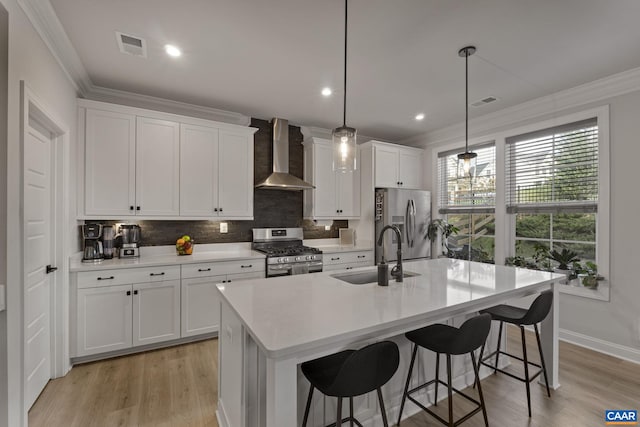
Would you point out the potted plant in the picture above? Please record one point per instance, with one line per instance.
(588, 274)
(444, 229)
(564, 258)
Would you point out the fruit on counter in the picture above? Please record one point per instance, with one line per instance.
(184, 245)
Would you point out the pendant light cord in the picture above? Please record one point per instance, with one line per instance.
(344, 103)
(466, 102)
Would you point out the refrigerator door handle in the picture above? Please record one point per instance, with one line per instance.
(410, 218)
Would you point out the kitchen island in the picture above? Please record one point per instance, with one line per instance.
(270, 326)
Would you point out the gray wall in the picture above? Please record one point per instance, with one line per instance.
(4, 76)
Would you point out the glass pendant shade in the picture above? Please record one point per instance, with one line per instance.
(344, 149)
(467, 163)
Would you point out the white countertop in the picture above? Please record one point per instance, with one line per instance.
(289, 314)
(167, 255)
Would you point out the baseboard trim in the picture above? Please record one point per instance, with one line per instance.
(601, 346)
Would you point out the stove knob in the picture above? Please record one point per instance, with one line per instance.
(280, 259)
(309, 257)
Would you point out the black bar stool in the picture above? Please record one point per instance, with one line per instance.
(352, 373)
(521, 317)
(450, 341)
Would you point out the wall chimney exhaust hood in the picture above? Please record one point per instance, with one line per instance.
(281, 179)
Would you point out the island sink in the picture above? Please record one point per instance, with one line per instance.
(364, 277)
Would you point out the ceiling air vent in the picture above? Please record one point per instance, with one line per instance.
(131, 45)
(484, 101)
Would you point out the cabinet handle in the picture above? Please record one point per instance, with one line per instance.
(204, 269)
(106, 278)
(137, 208)
(246, 266)
(135, 292)
(361, 256)
(215, 209)
(130, 208)
(401, 183)
(335, 259)
(349, 268)
(128, 293)
(156, 274)
(220, 209)
(229, 281)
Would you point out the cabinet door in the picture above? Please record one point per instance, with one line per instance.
(410, 169)
(157, 167)
(348, 193)
(156, 312)
(386, 167)
(103, 319)
(235, 166)
(200, 305)
(198, 170)
(109, 163)
(324, 178)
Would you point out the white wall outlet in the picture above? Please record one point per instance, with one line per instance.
(327, 228)
(224, 227)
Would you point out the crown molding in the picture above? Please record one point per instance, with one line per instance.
(131, 99)
(597, 90)
(48, 26)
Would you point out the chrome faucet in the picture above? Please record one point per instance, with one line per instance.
(397, 270)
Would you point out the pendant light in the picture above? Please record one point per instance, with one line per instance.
(344, 137)
(468, 156)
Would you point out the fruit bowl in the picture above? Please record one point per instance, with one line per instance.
(184, 245)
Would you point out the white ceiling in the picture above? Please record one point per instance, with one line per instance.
(271, 58)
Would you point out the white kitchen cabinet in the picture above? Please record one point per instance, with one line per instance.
(157, 167)
(156, 312)
(337, 194)
(123, 308)
(109, 163)
(396, 166)
(216, 173)
(200, 297)
(103, 318)
(344, 260)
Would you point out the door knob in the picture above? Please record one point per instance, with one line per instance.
(51, 269)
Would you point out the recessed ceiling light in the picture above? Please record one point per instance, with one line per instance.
(420, 116)
(326, 91)
(172, 50)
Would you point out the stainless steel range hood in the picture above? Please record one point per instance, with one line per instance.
(281, 179)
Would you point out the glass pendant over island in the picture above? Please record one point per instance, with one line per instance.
(466, 160)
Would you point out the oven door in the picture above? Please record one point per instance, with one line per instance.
(275, 270)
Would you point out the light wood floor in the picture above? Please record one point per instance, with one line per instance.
(178, 387)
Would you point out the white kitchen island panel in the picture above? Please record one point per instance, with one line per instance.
(292, 319)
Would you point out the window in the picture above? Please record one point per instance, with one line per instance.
(468, 202)
(552, 188)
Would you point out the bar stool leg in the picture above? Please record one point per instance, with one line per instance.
(437, 383)
(476, 370)
(306, 409)
(406, 387)
(382, 410)
(495, 370)
(544, 367)
(450, 390)
(526, 368)
(339, 411)
(351, 411)
(475, 381)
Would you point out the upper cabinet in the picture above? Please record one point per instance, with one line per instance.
(337, 194)
(396, 166)
(148, 164)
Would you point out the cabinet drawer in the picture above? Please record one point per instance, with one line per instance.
(127, 276)
(348, 258)
(206, 269)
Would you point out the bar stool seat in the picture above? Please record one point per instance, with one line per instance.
(521, 317)
(445, 339)
(352, 373)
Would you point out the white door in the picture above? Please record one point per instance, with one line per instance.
(157, 167)
(37, 255)
(324, 178)
(200, 305)
(410, 169)
(156, 312)
(198, 170)
(104, 319)
(235, 166)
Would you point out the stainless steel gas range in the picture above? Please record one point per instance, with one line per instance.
(286, 255)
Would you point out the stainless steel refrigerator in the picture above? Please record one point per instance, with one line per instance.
(410, 211)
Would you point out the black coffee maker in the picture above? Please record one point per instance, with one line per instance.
(91, 244)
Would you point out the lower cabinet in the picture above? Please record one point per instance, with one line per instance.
(156, 312)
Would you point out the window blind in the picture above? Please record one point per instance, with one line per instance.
(553, 170)
(474, 192)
